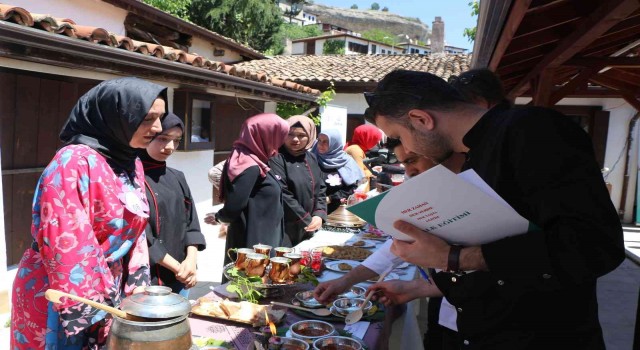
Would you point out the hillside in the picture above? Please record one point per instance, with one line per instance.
(363, 20)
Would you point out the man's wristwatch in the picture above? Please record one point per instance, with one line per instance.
(453, 260)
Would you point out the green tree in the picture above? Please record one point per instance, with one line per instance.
(385, 9)
(293, 32)
(288, 109)
(470, 33)
(380, 35)
(375, 6)
(333, 47)
(178, 8)
(354, 7)
(250, 22)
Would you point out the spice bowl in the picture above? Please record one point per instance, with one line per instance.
(336, 342)
(293, 344)
(345, 306)
(307, 300)
(310, 330)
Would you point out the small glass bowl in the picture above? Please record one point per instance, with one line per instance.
(345, 306)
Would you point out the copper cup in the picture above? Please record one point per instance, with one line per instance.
(281, 251)
(256, 264)
(241, 254)
(295, 266)
(262, 249)
(279, 272)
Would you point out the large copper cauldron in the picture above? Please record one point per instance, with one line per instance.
(163, 325)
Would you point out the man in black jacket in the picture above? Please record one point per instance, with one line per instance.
(529, 291)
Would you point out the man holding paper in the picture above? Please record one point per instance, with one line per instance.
(532, 289)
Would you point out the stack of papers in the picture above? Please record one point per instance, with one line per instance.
(461, 209)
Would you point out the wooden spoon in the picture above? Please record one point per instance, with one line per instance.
(54, 296)
(357, 315)
(319, 312)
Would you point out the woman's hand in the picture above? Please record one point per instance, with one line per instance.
(316, 223)
(210, 218)
(139, 289)
(187, 271)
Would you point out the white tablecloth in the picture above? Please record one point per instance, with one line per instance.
(405, 333)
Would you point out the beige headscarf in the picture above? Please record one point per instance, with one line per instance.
(307, 124)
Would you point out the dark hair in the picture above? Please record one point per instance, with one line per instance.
(403, 90)
(480, 82)
(392, 143)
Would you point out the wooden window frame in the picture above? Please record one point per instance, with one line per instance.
(183, 107)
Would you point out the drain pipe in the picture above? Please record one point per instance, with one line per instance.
(625, 181)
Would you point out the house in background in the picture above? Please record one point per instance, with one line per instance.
(52, 52)
(352, 45)
(353, 74)
(295, 13)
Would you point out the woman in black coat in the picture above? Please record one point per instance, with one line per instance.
(173, 231)
(303, 189)
(250, 191)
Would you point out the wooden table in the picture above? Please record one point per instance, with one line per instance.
(376, 337)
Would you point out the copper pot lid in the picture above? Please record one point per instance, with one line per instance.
(156, 302)
(341, 217)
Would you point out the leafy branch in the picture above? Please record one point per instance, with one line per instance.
(244, 286)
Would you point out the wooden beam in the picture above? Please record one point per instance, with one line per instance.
(615, 84)
(632, 100)
(578, 81)
(491, 19)
(592, 27)
(617, 62)
(543, 87)
(518, 10)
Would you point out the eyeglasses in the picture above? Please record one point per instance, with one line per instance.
(465, 80)
(370, 97)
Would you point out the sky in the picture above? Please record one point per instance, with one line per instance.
(456, 14)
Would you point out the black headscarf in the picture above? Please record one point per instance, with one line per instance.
(170, 121)
(107, 116)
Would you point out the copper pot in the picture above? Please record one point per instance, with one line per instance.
(166, 326)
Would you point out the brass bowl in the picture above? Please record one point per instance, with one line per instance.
(336, 342)
(310, 330)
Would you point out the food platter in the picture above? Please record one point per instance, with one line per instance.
(343, 266)
(265, 283)
(337, 252)
(362, 243)
(241, 312)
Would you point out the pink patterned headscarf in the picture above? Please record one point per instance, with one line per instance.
(260, 138)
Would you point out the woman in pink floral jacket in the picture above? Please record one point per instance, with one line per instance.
(89, 214)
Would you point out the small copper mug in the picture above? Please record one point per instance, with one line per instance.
(279, 269)
(281, 251)
(262, 249)
(241, 254)
(256, 264)
(295, 266)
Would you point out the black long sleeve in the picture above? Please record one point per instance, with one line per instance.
(237, 196)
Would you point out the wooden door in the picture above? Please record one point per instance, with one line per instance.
(34, 107)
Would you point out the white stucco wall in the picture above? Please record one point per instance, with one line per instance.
(297, 48)
(355, 103)
(84, 12)
(205, 48)
(319, 47)
(620, 113)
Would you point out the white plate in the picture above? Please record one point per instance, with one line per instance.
(367, 244)
(390, 276)
(333, 265)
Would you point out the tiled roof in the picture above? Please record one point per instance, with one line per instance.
(354, 68)
(100, 36)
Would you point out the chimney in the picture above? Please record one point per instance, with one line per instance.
(437, 35)
(288, 47)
